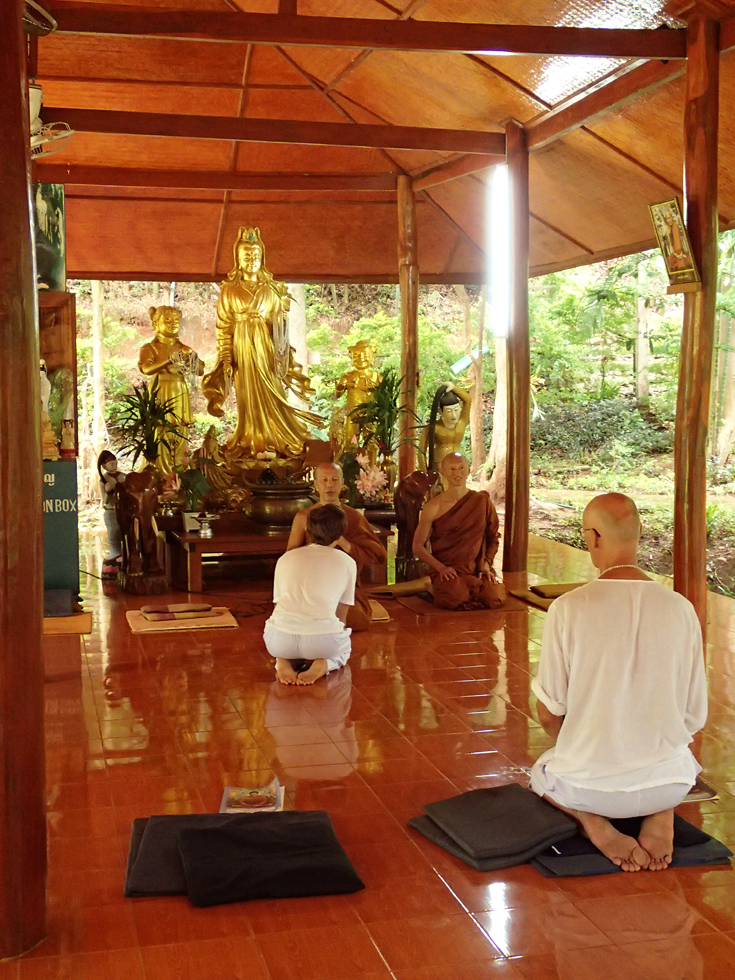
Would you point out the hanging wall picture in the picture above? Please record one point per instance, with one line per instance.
(674, 242)
(50, 236)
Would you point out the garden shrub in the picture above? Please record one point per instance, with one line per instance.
(612, 427)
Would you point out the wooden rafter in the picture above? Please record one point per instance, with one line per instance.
(353, 32)
(61, 173)
(460, 167)
(241, 108)
(275, 130)
(549, 126)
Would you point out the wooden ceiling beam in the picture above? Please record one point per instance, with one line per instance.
(60, 173)
(549, 126)
(276, 131)
(353, 32)
(377, 279)
(461, 167)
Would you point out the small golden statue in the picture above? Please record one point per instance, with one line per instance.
(176, 366)
(254, 356)
(359, 383)
(450, 413)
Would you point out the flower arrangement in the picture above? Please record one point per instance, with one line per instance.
(371, 481)
(187, 481)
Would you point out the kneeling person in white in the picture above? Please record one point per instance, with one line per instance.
(621, 687)
(313, 588)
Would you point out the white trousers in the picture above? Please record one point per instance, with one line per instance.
(333, 647)
(615, 805)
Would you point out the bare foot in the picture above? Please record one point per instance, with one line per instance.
(623, 851)
(285, 672)
(318, 669)
(657, 838)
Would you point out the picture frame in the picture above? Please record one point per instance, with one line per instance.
(675, 246)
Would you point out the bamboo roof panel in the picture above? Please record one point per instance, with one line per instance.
(589, 188)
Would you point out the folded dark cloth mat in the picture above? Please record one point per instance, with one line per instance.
(496, 827)
(221, 858)
(578, 856)
(508, 825)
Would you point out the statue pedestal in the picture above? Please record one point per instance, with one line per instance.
(273, 506)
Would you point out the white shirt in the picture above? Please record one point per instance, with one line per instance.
(308, 585)
(622, 661)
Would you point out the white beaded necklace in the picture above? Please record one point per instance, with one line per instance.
(613, 567)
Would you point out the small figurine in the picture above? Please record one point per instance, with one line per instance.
(68, 443)
(110, 482)
(49, 442)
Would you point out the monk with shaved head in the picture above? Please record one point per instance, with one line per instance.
(358, 540)
(458, 537)
(621, 688)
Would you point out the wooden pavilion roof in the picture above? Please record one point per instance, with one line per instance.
(194, 119)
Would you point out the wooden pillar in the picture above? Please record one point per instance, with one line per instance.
(697, 338)
(408, 281)
(22, 798)
(517, 493)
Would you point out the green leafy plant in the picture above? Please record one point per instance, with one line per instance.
(144, 423)
(381, 412)
(195, 486)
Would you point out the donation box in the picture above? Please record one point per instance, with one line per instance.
(60, 525)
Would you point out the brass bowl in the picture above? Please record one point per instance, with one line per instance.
(273, 506)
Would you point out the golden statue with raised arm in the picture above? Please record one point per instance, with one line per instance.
(359, 383)
(176, 366)
(450, 413)
(254, 356)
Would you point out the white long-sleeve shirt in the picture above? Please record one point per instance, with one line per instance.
(622, 661)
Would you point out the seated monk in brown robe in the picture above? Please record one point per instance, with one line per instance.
(359, 540)
(461, 526)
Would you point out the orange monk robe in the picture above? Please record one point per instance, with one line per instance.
(367, 551)
(465, 538)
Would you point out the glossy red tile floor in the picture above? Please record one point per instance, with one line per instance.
(430, 706)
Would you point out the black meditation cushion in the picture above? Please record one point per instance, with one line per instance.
(265, 855)
(500, 821)
(219, 857)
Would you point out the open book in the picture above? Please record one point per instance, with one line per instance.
(247, 799)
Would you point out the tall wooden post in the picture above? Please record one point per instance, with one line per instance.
(697, 338)
(22, 803)
(517, 492)
(408, 281)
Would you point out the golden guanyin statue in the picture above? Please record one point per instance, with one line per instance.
(177, 367)
(254, 357)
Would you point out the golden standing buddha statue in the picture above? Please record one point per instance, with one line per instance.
(359, 383)
(254, 357)
(175, 365)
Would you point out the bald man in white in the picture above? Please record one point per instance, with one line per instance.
(621, 687)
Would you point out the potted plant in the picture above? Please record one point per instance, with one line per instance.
(378, 417)
(143, 422)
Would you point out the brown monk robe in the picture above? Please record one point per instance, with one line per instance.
(359, 540)
(461, 525)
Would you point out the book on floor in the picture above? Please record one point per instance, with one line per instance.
(253, 799)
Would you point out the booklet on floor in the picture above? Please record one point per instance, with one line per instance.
(253, 799)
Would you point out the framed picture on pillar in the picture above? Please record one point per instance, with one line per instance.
(675, 246)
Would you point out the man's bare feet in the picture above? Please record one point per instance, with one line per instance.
(285, 672)
(657, 838)
(625, 852)
(318, 669)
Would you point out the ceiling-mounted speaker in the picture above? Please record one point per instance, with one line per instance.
(45, 139)
(50, 139)
(36, 19)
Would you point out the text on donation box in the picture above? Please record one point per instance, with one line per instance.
(60, 527)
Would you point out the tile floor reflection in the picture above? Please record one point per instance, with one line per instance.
(430, 706)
